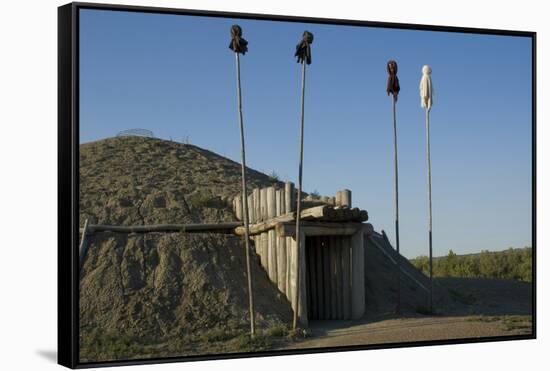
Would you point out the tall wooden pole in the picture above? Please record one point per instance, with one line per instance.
(429, 203)
(393, 88)
(303, 53)
(396, 206)
(426, 101)
(298, 199)
(244, 199)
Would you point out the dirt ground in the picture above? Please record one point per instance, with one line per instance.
(490, 308)
(347, 333)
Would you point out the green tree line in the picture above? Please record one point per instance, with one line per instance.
(512, 264)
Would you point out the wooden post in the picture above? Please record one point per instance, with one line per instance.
(238, 207)
(271, 200)
(298, 284)
(302, 299)
(83, 248)
(309, 279)
(257, 211)
(272, 255)
(281, 264)
(263, 203)
(278, 202)
(251, 215)
(333, 288)
(263, 257)
(358, 275)
(345, 198)
(290, 199)
(311, 269)
(327, 278)
(283, 201)
(317, 244)
(339, 278)
(346, 272)
(288, 289)
(338, 198)
(257, 245)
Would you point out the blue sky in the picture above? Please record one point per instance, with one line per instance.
(175, 75)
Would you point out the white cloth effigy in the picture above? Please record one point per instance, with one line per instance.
(426, 88)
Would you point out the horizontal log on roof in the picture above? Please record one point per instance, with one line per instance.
(319, 229)
(324, 213)
(337, 214)
(261, 227)
(313, 228)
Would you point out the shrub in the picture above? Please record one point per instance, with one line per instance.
(274, 177)
(512, 264)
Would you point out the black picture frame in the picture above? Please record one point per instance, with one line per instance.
(68, 180)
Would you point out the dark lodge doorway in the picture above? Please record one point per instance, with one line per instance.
(328, 277)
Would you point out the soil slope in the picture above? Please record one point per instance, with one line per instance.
(154, 294)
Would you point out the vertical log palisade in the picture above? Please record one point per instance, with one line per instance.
(332, 256)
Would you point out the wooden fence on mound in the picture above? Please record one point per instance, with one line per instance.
(331, 255)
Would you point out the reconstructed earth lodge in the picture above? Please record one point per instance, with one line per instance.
(161, 295)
